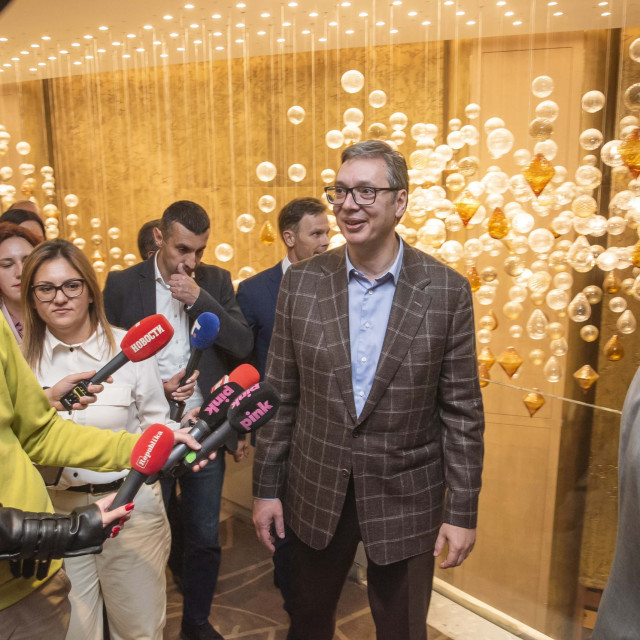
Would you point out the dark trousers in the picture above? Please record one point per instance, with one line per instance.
(201, 496)
(399, 593)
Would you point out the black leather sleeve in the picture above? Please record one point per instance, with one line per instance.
(43, 536)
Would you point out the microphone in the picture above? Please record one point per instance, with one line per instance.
(203, 335)
(213, 411)
(250, 410)
(142, 341)
(148, 456)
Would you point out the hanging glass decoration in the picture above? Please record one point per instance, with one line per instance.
(629, 151)
(614, 350)
(533, 401)
(626, 323)
(474, 278)
(586, 376)
(483, 374)
(486, 357)
(498, 225)
(552, 370)
(466, 206)
(538, 174)
(510, 361)
(267, 234)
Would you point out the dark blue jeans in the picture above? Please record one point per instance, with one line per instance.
(201, 494)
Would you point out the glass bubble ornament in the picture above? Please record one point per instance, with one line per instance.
(474, 279)
(588, 176)
(584, 206)
(559, 347)
(468, 166)
(113, 233)
(617, 304)
(334, 139)
(296, 114)
(486, 294)
(267, 203)
(81, 243)
(130, 259)
(488, 321)
(552, 370)
(634, 50)
(610, 155)
(398, 120)
(629, 150)
(522, 157)
(536, 357)
(563, 280)
(483, 336)
(579, 308)
(537, 325)
(493, 123)
(593, 101)
(538, 173)
(589, 333)
(245, 222)
(613, 349)
(455, 182)
(23, 148)
(541, 240)
(512, 310)
(267, 234)
(557, 299)
(472, 111)
(353, 117)
(631, 97)
(297, 172)
(548, 148)
(489, 274)
(626, 323)
(95, 223)
(540, 128)
(266, 171)
(71, 200)
(499, 142)
(470, 134)
(607, 260)
(591, 139)
(377, 98)
(456, 140)
(547, 109)
(223, 252)
(542, 87)
(516, 331)
(352, 81)
(377, 130)
(466, 205)
(452, 252)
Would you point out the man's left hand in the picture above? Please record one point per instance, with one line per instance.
(242, 451)
(183, 287)
(460, 542)
(182, 435)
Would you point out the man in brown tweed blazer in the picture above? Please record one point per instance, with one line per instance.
(379, 434)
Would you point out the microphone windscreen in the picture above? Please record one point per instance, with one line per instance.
(205, 331)
(152, 449)
(246, 375)
(147, 337)
(253, 408)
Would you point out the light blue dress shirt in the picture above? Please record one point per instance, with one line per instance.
(369, 309)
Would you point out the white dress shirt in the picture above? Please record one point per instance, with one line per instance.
(175, 355)
(134, 401)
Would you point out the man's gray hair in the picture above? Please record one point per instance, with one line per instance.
(397, 173)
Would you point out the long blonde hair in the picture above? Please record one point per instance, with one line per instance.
(34, 326)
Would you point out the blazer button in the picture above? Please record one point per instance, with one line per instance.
(345, 473)
(355, 433)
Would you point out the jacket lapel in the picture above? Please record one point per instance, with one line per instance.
(333, 303)
(273, 282)
(410, 303)
(147, 285)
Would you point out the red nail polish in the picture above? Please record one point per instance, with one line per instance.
(116, 529)
(129, 506)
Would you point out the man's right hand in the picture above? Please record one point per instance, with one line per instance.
(266, 512)
(62, 387)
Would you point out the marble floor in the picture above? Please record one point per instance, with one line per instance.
(248, 606)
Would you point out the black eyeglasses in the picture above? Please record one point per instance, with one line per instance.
(361, 195)
(47, 292)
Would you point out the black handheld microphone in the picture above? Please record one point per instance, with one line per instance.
(251, 410)
(203, 335)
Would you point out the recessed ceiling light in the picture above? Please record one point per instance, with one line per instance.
(602, 4)
(471, 22)
(425, 23)
(286, 24)
(448, 2)
(380, 23)
(280, 40)
(30, 69)
(131, 35)
(349, 32)
(217, 34)
(241, 5)
(167, 17)
(87, 37)
(73, 44)
(3, 39)
(147, 27)
(46, 37)
(322, 39)
(86, 58)
(115, 44)
(16, 59)
(501, 3)
(157, 42)
(313, 14)
(126, 55)
(173, 35)
(194, 26)
(557, 13)
(189, 6)
(76, 62)
(412, 13)
(293, 4)
(348, 4)
(552, 4)
(99, 51)
(363, 14)
(180, 49)
(393, 31)
(140, 50)
(306, 32)
(239, 41)
(333, 24)
(219, 48)
(265, 15)
(51, 58)
(63, 51)
(264, 33)
(605, 14)
(240, 25)
(216, 16)
(164, 55)
(517, 23)
(103, 28)
(508, 14)
(37, 46)
(396, 2)
(7, 64)
(459, 13)
(24, 53)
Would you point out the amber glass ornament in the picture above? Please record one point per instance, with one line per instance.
(474, 278)
(486, 357)
(611, 283)
(539, 173)
(629, 151)
(483, 372)
(466, 206)
(498, 224)
(510, 361)
(533, 401)
(635, 255)
(613, 349)
(267, 234)
(586, 376)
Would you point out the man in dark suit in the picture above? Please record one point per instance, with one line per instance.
(176, 283)
(379, 433)
(304, 229)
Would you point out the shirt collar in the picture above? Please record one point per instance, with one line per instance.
(158, 275)
(394, 269)
(286, 263)
(93, 347)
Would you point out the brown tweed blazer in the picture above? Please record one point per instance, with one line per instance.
(416, 449)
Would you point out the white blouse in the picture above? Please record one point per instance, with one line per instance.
(134, 401)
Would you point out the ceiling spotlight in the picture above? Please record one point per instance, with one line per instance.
(63, 51)
(605, 14)
(380, 23)
(425, 23)
(86, 58)
(115, 44)
(219, 48)
(76, 62)
(99, 51)
(280, 40)
(46, 37)
(286, 24)
(412, 13)
(164, 55)
(103, 28)
(363, 14)
(147, 27)
(293, 4)
(189, 6)
(217, 34)
(197, 42)
(348, 4)
(508, 14)
(37, 46)
(322, 39)
(126, 55)
(263, 33)
(180, 49)
(87, 37)
(216, 16)
(240, 25)
(51, 58)
(349, 32)
(313, 14)
(16, 59)
(241, 5)
(173, 35)
(131, 35)
(194, 26)
(265, 15)
(333, 24)
(557, 13)
(306, 32)
(140, 50)
(448, 3)
(459, 13)
(239, 41)
(471, 22)
(24, 53)
(167, 17)
(396, 2)
(393, 31)
(501, 3)
(517, 23)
